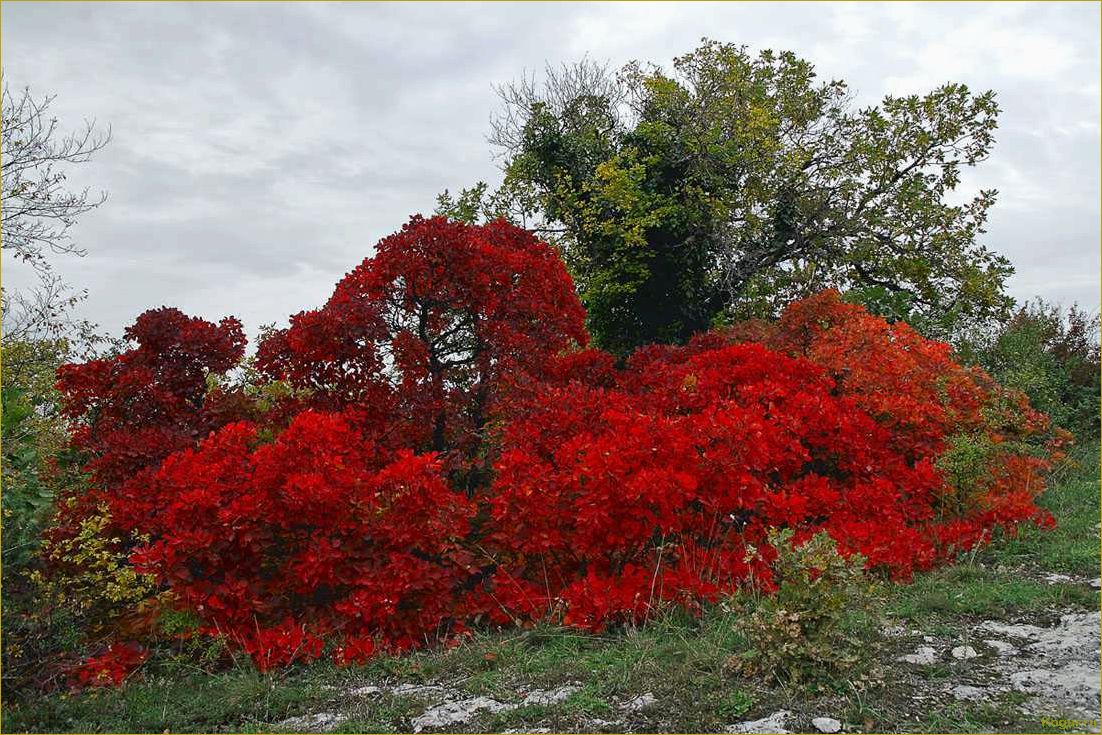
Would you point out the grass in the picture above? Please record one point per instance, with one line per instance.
(1008, 575)
(1072, 547)
(682, 661)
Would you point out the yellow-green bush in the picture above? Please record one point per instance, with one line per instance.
(92, 573)
(809, 629)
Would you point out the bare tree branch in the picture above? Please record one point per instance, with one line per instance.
(38, 209)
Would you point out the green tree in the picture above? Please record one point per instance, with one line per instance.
(739, 182)
(1052, 355)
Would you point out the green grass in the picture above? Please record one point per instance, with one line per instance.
(978, 592)
(682, 661)
(1007, 576)
(1073, 546)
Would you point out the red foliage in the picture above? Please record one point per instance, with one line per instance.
(421, 336)
(447, 459)
(682, 466)
(319, 528)
(130, 411)
(110, 668)
(143, 404)
(682, 471)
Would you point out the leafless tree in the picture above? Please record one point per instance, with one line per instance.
(38, 209)
(563, 89)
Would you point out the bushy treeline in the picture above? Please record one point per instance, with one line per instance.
(437, 449)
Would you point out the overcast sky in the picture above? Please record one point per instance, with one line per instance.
(260, 150)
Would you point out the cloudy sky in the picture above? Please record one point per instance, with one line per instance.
(260, 150)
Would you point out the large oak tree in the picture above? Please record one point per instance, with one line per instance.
(738, 182)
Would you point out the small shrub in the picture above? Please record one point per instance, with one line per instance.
(28, 495)
(809, 628)
(91, 572)
(735, 704)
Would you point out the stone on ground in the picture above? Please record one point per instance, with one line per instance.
(923, 656)
(826, 724)
(1058, 666)
(453, 713)
(317, 722)
(552, 696)
(963, 652)
(1002, 647)
(774, 723)
(639, 703)
(969, 693)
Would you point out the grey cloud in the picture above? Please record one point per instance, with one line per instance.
(260, 150)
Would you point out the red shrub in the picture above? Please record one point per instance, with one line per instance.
(681, 473)
(447, 460)
(110, 668)
(134, 409)
(319, 528)
(130, 411)
(422, 335)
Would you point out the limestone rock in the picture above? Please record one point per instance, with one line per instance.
(317, 722)
(1002, 647)
(964, 652)
(639, 703)
(826, 724)
(969, 693)
(774, 723)
(453, 713)
(923, 656)
(552, 696)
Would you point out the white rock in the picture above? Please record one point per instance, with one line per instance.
(1053, 578)
(963, 652)
(532, 730)
(451, 713)
(1077, 635)
(970, 693)
(365, 691)
(1074, 684)
(1096, 583)
(552, 696)
(826, 724)
(774, 723)
(417, 690)
(929, 638)
(318, 722)
(1057, 666)
(595, 722)
(1013, 631)
(1002, 647)
(639, 703)
(923, 656)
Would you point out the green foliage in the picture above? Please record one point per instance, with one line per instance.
(29, 436)
(468, 206)
(33, 437)
(479, 205)
(46, 624)
(736, 704)
(740, 182)
(92, 574)
(810, 629)
(966, 465)
(26, 499)
(1052, 355)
